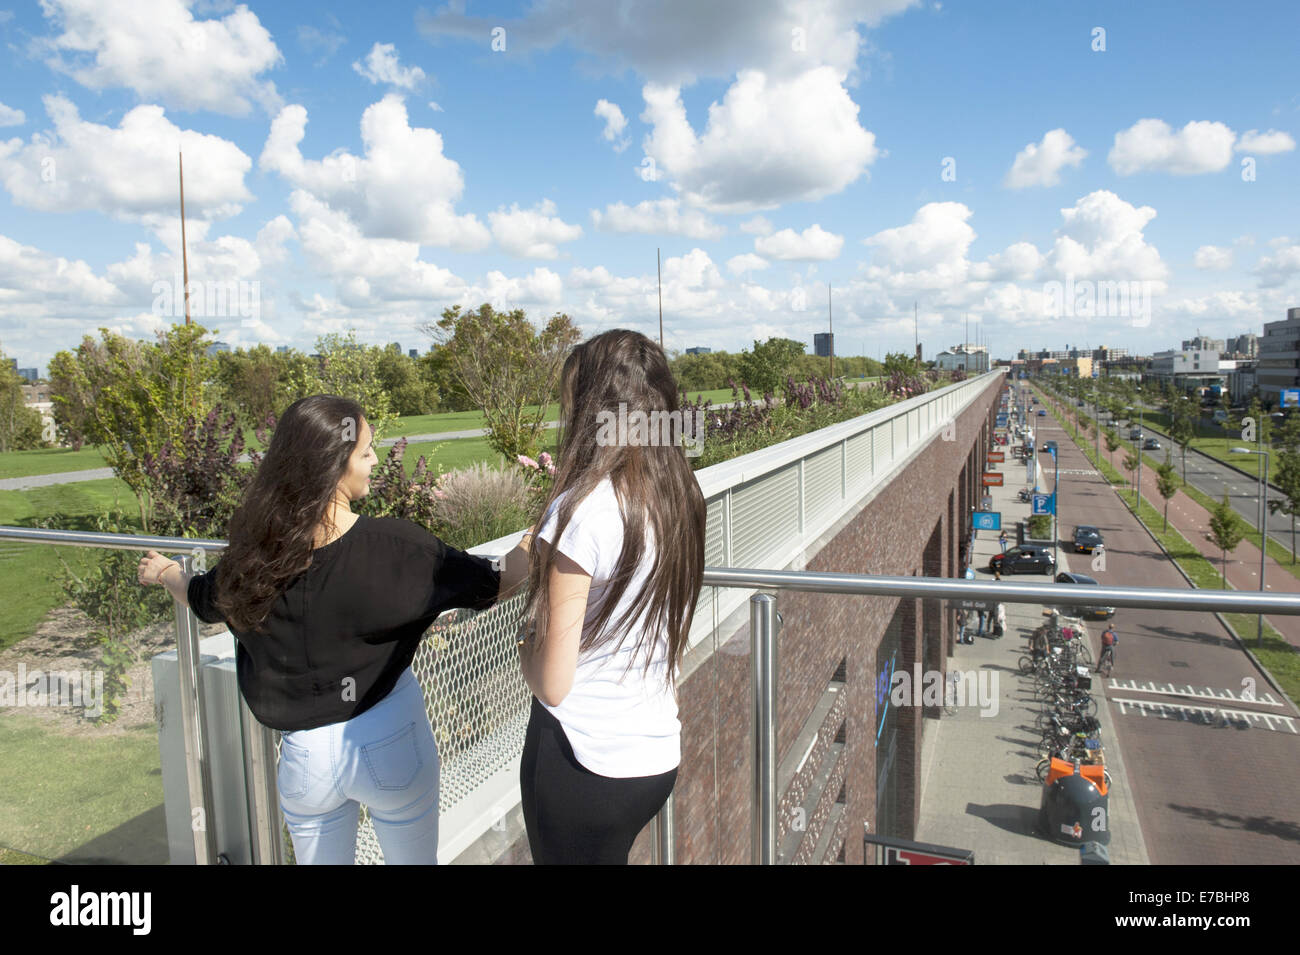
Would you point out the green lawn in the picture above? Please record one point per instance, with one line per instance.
(81, 798)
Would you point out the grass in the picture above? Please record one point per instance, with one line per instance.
(80, 797)
(1276, 655)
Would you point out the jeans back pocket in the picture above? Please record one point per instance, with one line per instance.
(394, 762)
(291, 775)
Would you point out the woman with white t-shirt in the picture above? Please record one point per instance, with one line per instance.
(621, 550)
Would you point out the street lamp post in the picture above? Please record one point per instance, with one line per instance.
(1259, 623)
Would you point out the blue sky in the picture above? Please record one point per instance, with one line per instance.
(366, 166)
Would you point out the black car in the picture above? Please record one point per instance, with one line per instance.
(1151, 444)
(1090, 613)
(1024, 559)
(1087, 539)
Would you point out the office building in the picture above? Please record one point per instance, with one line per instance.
(823, 344)
(1279, 357)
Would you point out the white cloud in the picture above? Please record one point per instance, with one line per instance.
(158, 49)
(435, 107)
(615, 123)
(759, 225)
(756, 150)
(532, 233)
(929, 252)
(128, 172)
(11, 117)
(1279, 268)
(1040, 164)
(1212, 257)
(748, 262)
(1103, 238)
(31, 276)
(1019, 261)
(382, 66)
(539, 287)
(1151, 145)
(813, 243)
(1266, 144)
(404, 188)
(657, 217)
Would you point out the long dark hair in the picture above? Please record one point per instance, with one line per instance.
(272, 531)
(653, 482)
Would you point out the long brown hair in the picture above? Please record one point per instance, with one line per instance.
(272, 531)
(652, 481)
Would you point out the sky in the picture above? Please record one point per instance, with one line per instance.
(1049, 173)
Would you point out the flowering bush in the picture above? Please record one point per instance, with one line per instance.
(479, 503)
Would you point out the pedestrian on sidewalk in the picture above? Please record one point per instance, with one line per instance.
(1002, 540)
(980, 630)
(961, 626)
(999, 622)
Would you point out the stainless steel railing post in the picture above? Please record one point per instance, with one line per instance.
(259, 788)
(198, 767)
(663, 848)
(763, 651)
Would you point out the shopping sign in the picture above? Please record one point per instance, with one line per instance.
(992, 478)
(988, 520)
(996, 457)
(890, 851)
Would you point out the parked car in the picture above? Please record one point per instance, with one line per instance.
(1042, 413)
(1088, 613)
(1151, 444)
(1087, 539)
(1024, 559)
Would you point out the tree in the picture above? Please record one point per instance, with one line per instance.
(138, 396)
(20, 426)
(1131, 465)
(1167, 483)
(411, 391)
(1286, 475)
(766, 367)
(1226, 530)
(1182, 429)
(351, 370)
(505, 366)
(1112, 444)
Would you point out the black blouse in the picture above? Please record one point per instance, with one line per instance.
(343, 631)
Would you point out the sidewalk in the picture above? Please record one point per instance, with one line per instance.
(979, 790)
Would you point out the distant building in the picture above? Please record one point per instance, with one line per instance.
(1279, 357)
(28, 373)
(698, 350)
(1201, 343)
(1243, 346)
(217, 347)
(823, 344)
(413, 353)
(1243, 382)
(281, 349)
(1188, 369)
(972, 359)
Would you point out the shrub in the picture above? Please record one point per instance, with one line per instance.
(479, 504)
(1040, 526)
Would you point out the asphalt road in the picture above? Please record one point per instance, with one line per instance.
(1214, 775)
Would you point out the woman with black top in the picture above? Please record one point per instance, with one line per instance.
(327, 608)
(614, 577)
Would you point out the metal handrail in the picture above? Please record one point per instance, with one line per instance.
(764, 626)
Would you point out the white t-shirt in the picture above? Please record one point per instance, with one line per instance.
(620, 724)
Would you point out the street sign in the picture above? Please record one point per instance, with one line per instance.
(1290, 398)
(988, 520)
(992, 478)
(1042, 504)
(997, 456)
(1001, 420)
(966, 604)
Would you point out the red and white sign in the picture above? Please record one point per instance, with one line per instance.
(910, 857)
(992, 478)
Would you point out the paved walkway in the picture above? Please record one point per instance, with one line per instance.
(979, 790)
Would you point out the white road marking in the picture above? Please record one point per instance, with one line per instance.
(1207, 715)
(1186, 689)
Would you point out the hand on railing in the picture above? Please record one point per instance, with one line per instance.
(152, 566)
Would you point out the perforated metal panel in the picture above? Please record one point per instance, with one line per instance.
(821, 478)
(764, 516)
(899, 425)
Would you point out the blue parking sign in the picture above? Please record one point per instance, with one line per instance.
(1042, 504)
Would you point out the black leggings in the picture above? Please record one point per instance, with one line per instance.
(574, 816)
